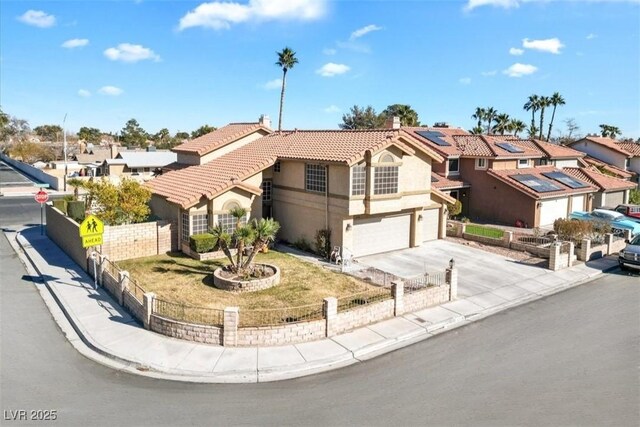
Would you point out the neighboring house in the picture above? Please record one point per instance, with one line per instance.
(371, 188)
(505, 179)
(138, 164)
(612, 191)
(605, 168)
(622, 155)
(91, 158)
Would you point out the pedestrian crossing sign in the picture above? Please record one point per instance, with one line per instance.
(91, 231)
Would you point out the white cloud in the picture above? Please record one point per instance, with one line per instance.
(489, 73)
(331, 69)
(364, 30)
(591, 36)
(329, 51)
(70, 44)
(515, 51)
(110, 90)
(519, 70)
(84, 93)
(465, 80)
(332, 109)
(221, 15)
(273, 84)
(547, 45)
(508, 4)
(37, 18)
(127, 52)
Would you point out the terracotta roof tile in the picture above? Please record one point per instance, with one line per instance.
(603, 182)
(606, 142)
(505, 176)
(592, 161)
(555, 151)
(447, 183)
(632, 148)
(219, 138)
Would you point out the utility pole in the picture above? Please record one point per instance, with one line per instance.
(64, 149)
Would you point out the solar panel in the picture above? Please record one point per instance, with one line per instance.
(565, 179)
(510, 147)
(434, 136)
(535, 183)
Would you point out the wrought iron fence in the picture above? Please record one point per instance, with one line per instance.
(111, 267)
(374, 276)
(136, 290)
(363, 298)
(529, 239)
(188, 313)
(423, 282)
(281, 316)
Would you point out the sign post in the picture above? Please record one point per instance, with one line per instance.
(41, 197)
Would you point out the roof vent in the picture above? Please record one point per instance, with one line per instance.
(441, 125)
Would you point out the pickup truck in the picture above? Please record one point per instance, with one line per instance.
(629, 257)
(632, 211)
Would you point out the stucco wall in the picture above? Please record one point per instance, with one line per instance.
(426, 298)
(64, 233)
(600, 152)
(354, 318)
(54, 182)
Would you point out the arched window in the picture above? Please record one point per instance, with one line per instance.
(226, 220)
(385, 179)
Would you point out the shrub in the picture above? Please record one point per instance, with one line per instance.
(61, 205)
(575, 230)
(634, 196)
(303, 245)
(454, 208)
(75, 210)
(202, 243)
(323, 243)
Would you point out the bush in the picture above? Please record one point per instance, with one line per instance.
(75, 210)
(323, 243)
(202, 243)
(303, 245)
(61, 205)
(454, 209)
(634, 196)
(575, 230)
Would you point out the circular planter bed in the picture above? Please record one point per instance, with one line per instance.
(225, 280)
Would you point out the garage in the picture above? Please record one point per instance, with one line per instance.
(550, 210)
(430, 222)
(372, 235)
(614, 198)
(577, 204)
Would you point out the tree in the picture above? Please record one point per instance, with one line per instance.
(454, 209)
(544, 102)
(361, 118)
(634, 196)
(571, 125)
(480, 116)
(407, 115)
(202, 130)
(609, 131)
(132, 134)
(533, 104)
(4, 120)
(286, 60)
(516, 126)
(490, 114)
(77, 184)
(556, 99)
(127, 203)
(90, 135)
(30, 152)
(13, 128)
(532, 131)
(477, 130)
(181, 136)
(502, 124)
(48, 132)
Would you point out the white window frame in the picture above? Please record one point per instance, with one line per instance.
(359, 180)
(521, 165)
(386, 178)
(450, 171)
(455, 194)
(481, 163)
(315, 178)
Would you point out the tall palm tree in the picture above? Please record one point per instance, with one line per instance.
(556, 99)
(545, 102)
(489, 116)
(479, 115)
(609, 131)
(407, 115)
(532, 104)
(516, 126)
(532, 131)
(502, 123)
(286, 60)
(477, 130)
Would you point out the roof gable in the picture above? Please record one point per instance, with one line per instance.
(219, 138)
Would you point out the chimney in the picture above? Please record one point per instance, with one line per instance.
(392, 122)
(114, 150)
(265, 121)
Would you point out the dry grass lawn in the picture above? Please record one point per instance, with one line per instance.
(181, 279)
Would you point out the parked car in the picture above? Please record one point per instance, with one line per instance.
(631, 211)
(618, 222)
(629, 257)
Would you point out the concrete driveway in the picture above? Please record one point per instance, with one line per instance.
(479, 271)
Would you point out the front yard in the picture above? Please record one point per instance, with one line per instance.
(178, 278)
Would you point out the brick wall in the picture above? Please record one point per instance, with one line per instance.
(280, 335)
(426, 298)
(186, 331)
(134, 306)
(482, 239)
(370, 313)
(64, 233)
(111, 284)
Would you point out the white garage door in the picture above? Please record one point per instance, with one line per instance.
(381, 234)
(577, 204)
(614, 199)
(552, 210)
(430, 221)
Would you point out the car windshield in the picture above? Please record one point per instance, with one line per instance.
(635, 240)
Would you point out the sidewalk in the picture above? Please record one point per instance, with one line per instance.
(108, 335)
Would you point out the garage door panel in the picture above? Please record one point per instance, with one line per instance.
(381, 234)
(430, 222)
(577, 204)
(614, 199)
(550, 210)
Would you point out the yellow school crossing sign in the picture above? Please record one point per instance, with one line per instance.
(91, 231)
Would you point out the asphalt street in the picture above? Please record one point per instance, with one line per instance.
(568, 359)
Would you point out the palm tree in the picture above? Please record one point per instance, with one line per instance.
(407, 115)
(502, 123)
(76, 184)
(545, 102)
(556, 99)
(532, 131)
(264, 232)
(533, 104)
(479, 115)
(286, 60)
(516, 126)
(608, 131)
(490, 114)
(478, 130)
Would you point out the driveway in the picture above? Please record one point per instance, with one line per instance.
(479, 271)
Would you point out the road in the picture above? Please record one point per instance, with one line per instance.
(569, 359)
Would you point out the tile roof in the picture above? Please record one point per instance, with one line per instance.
(632, 148)
(592, 161)
(147, 159)
(445, 197)
(185, 186)
(504, 175)
(219, 138)
(448, 133)
(556, 151)
(604, 182)
(606, 142)
(447, 183)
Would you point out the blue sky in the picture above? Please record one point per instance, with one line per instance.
(181, 64)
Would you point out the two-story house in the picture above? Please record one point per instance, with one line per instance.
(622, 155)
(371, 188)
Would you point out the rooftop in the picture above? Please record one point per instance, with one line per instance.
(506, 176)
(600, 180)
(219, 138)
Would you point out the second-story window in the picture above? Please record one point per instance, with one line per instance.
(358, 180)
(454, 165)
(315, 178)
(481, 163)
(266, 190)
(385, 179)
(276, 166)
